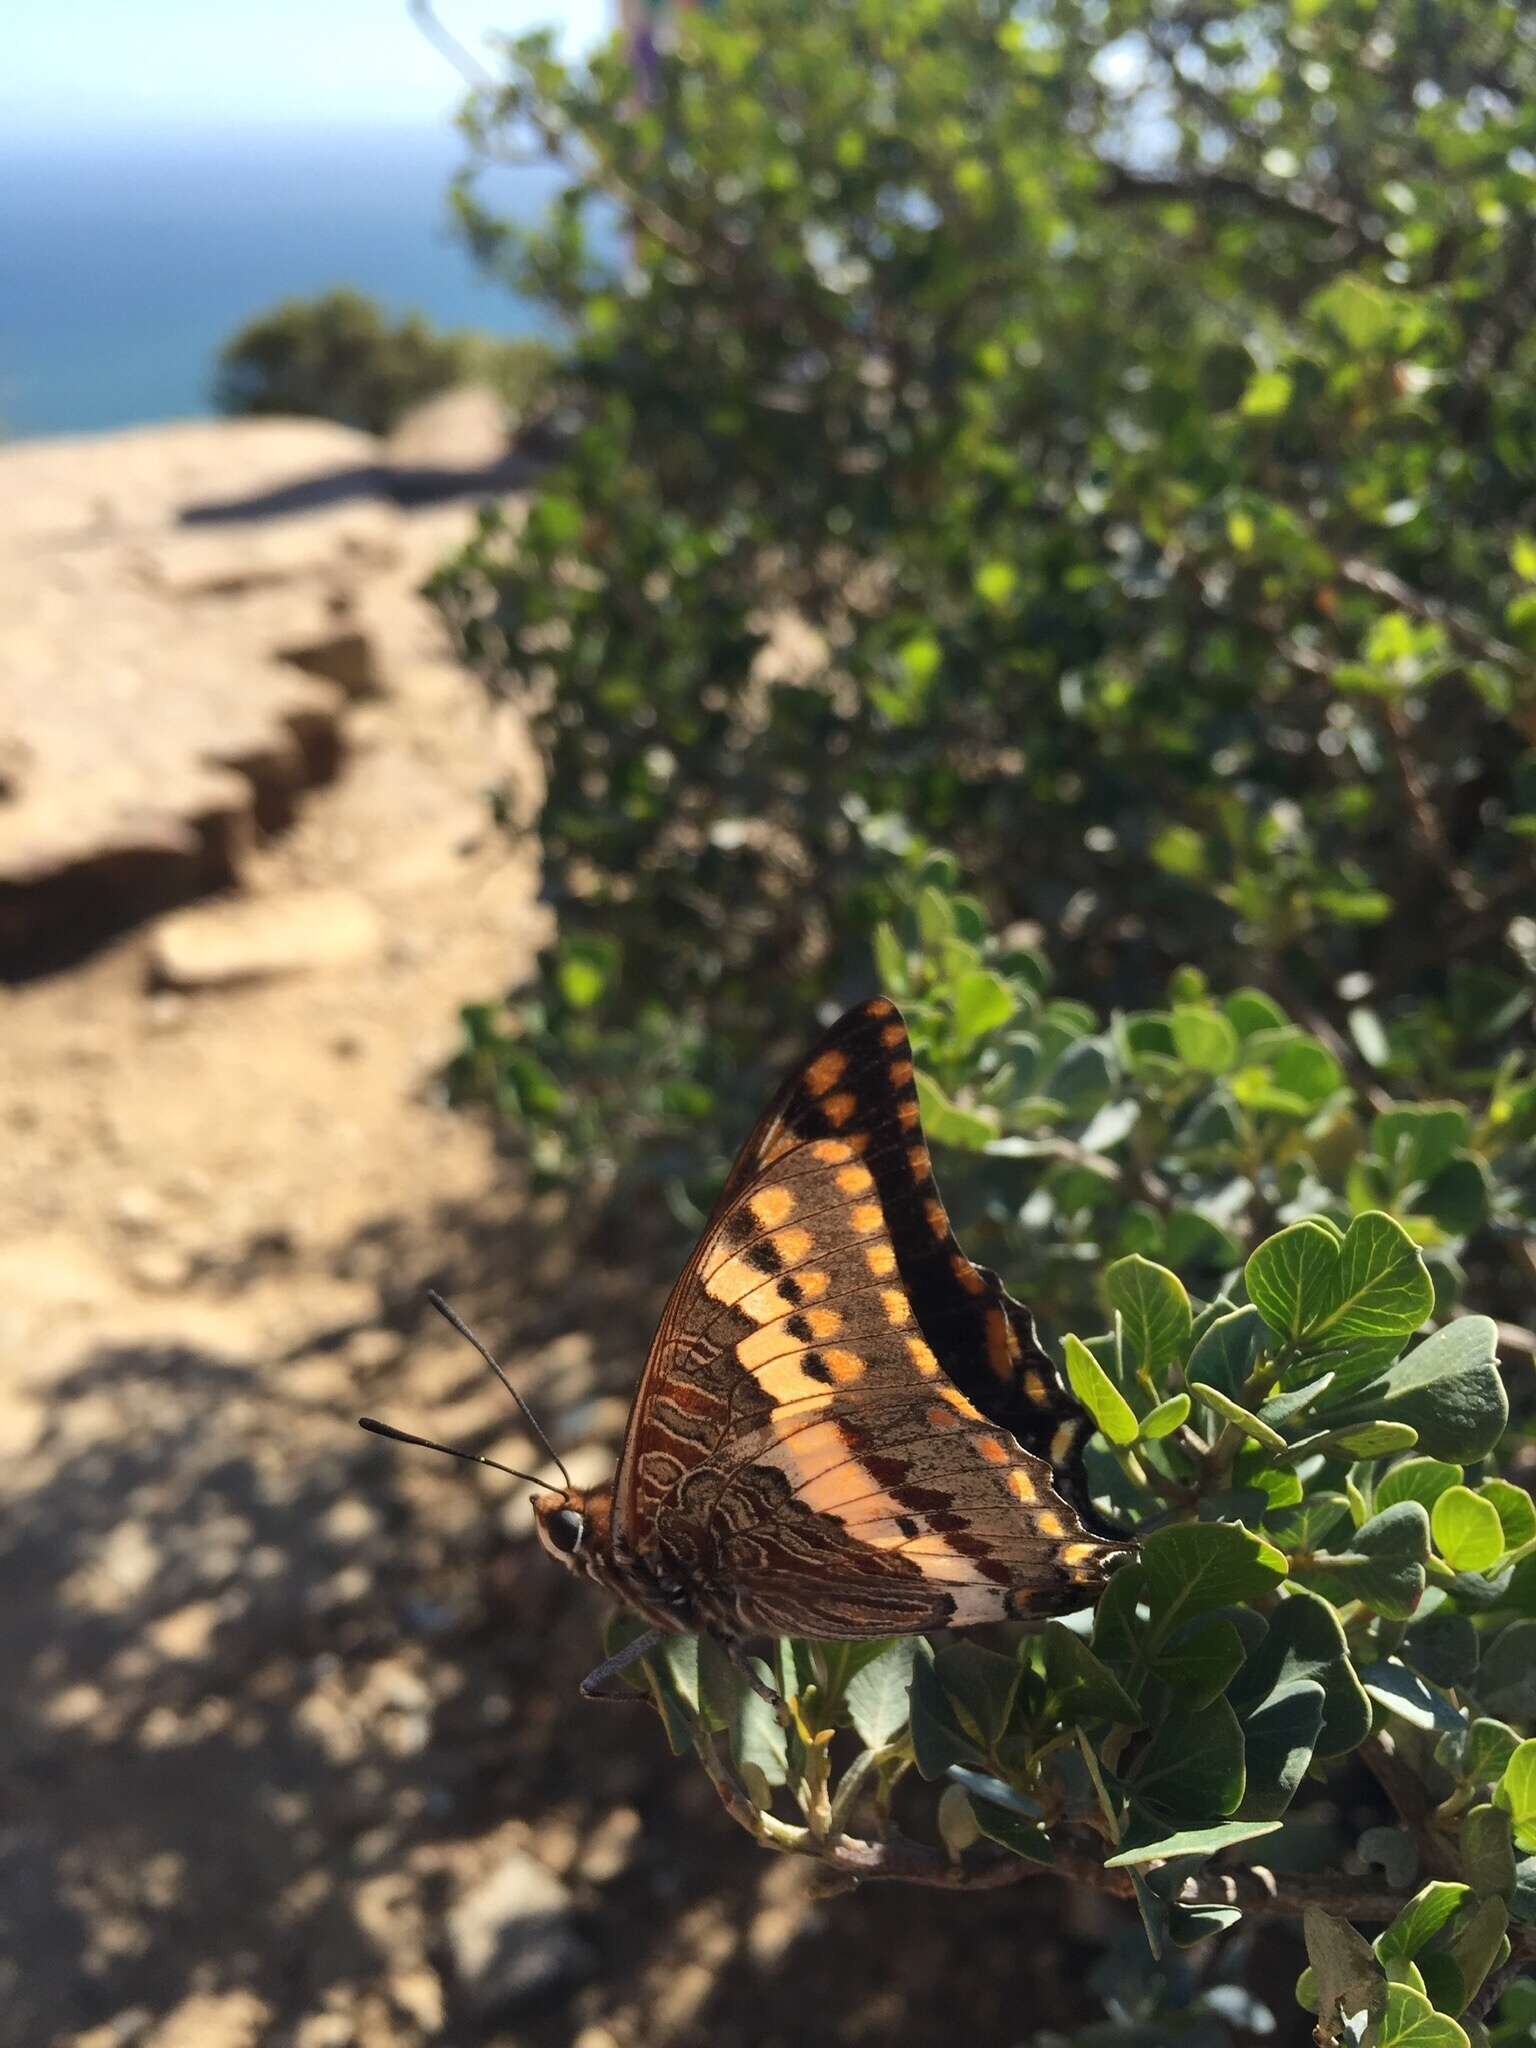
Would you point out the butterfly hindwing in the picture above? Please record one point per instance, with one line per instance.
(842, 1417)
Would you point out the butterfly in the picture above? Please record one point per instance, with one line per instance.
(844, 1427)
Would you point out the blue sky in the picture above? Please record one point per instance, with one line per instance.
(76, 68)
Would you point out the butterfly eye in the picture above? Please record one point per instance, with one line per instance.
(565, 1529)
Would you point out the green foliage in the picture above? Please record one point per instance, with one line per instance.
(1095, 441)
(339, 357)
(1091, 440)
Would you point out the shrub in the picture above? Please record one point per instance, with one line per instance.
(1091, 441)
(339, 357)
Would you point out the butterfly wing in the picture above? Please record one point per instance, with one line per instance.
(845, 1427)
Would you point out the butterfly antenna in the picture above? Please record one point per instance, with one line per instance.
(403, 1436)
(458, 1323)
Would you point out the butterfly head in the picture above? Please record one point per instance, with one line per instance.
(574, 1527)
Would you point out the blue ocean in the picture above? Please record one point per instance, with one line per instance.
(124, 264)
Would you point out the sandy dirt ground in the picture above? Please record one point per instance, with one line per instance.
(292, 1752)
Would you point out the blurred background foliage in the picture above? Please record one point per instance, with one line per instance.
(1044, 524)
(1093, 440)
(339, 356)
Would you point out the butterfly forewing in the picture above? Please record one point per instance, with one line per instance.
(843, 1421)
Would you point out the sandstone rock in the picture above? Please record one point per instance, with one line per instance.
(464, 429)
(513, 1937)
(237, 940)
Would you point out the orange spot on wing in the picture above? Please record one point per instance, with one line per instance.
(994, 1452)
(958, 1402)
(922, 1356)
(1021, 1486)
(908, 1113)
(879, 1006)
(771, 1206)
(898, 1309)
(855, 1180)
(893, 1035)
(792, 1245)
(901, 1072)
(942, 1418)
(938, 1222)
(826, 1071)
(865, 1217)
(1050, 1524)
(966, 1273)
(1034, 1386)
(919, 1161)
(844, 1366)
(838, 1108)
(832, 1151)
(880, 1258)
(1079, 1553)
(824, 1322)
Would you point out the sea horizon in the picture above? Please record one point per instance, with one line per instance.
(127, 261)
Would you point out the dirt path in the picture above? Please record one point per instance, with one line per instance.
(292, 1750)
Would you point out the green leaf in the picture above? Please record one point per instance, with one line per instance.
(1117, 1627)
(1365, 1439)
(1490, 1745)
(1343, 1301)
(1154, 1308)
(982, 1002)
(1200, 1661)
(1408, 2020)
(1268, 393)
(1203, 1038)
(877, 1695)
(1488, 1851)
(1165, 1418)
(1290, 1277)
(1449, 1389)
(757, 1740)
(1225, 1354)
(1306, 1641)
(980, 1686)
(1506, 1679)
(1098, 1393)
(673, 1670)
(1424, 1915)
(1087, 1687)
(1308, 1526)
(1467, 1531)
(1443, 1647)
(1515, 1793)
(1191, 1772)
(1475, 1945)
(1515, 1510)
(1402, 1692)
(1362, 313)
(1248, 1423)
(1019, 1837)
(1279, 1738)
(1197, 1566)
(938, 1740)
(1193, 1842)
(1420, 1479)
(1384, 1565)
(946, 1123)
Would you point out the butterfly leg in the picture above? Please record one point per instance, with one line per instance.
(759, 1685)
(592, 1686)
